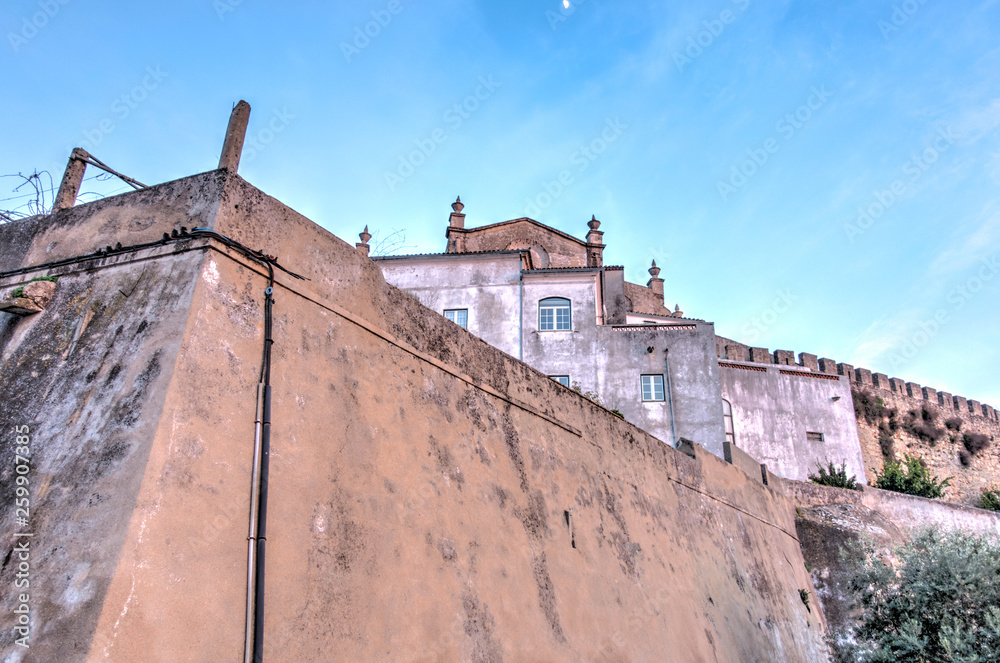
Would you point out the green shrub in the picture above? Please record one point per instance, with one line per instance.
(835, 477)
(954, 423)
(911, 477)
(990, 500)
(934, 598)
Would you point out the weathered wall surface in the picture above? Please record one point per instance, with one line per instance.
(430, 497)
(488, 286)
(560, 250)
(944, 456)
(979, 471)
(679, 353)
(88, 375)
(831, 518)
(774, 408)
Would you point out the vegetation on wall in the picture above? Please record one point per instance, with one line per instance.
(19, 291)
(920, 424)
(911, 477)
(990, 500)
(832, 476)
(973, 443)
(934, 598)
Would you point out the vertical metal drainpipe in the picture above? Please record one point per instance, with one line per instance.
(252, 535)
(253, 647)
(670, 395)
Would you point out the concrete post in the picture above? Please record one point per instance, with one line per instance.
(236, 132)
(69, 189)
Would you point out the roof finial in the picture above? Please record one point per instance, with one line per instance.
(593, 224)
(457, 205)
(678, 313)
(362, 246)
(654, 271)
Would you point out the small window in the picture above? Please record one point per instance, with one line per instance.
(727, 418)
(652, 387)
(561, 379)
(554, 314)
(814, 437)
(460, 316)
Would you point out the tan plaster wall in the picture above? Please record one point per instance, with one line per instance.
(415, 516)
(419, 491)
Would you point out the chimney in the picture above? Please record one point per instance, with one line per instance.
(232, 148)
(595, 245)
(69, 189)
(456, 228)
(362, 246)
(655, 283)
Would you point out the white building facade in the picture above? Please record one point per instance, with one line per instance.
(548, 299)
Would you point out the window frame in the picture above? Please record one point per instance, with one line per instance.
(559, 379)
(654, 383)
(555, 306)
(458, 310)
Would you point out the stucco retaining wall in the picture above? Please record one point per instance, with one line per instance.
(431, 498)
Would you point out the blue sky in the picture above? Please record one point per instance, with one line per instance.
(817, 177)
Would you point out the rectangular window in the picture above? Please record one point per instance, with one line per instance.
(460, 316)
(652, 387)
(555, 314)
(561, 379)
(814, 437)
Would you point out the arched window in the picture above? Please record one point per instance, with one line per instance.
(554, 314)
(727, 418)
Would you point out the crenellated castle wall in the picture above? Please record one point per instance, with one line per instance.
(951, 404)
(946, 457)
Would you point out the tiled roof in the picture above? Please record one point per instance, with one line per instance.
(456, 255)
